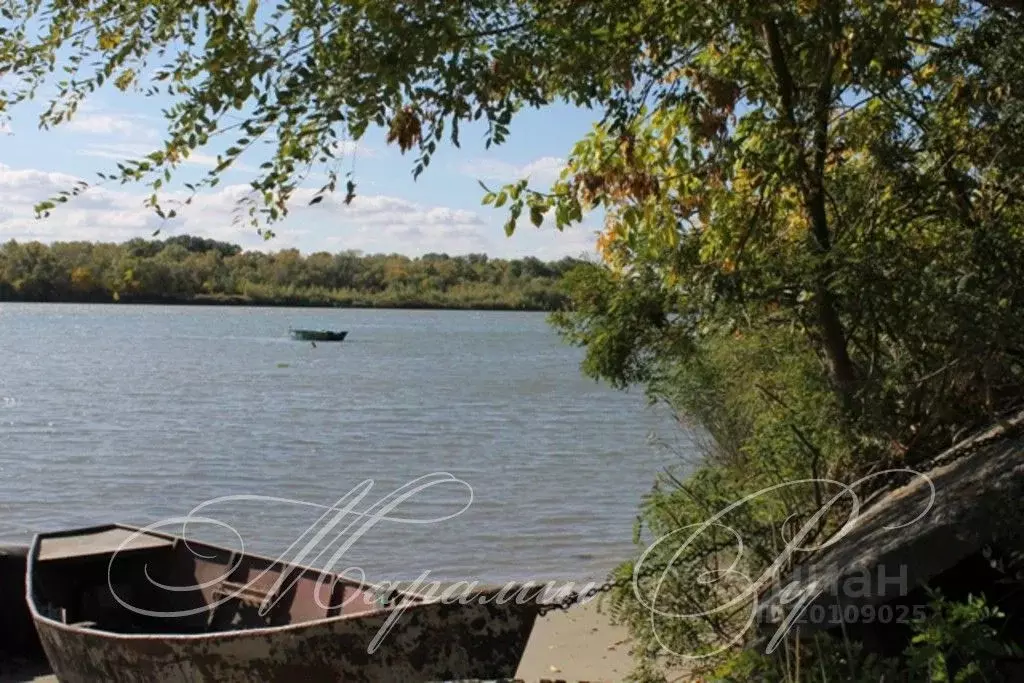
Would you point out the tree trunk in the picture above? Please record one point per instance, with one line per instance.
(830, 326)
(833, 334)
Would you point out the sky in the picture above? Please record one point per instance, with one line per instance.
(438, 212)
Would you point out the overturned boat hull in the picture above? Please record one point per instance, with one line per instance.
(102, 618)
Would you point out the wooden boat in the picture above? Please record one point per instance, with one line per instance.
(120, 604)
(319, 335)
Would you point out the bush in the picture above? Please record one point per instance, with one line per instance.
(957, 642)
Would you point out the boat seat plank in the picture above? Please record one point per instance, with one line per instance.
(84, 624)
(243, 592)
(102, 542)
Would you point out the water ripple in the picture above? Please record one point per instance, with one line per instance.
(133, 413)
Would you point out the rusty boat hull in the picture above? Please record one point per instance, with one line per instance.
(123, 605)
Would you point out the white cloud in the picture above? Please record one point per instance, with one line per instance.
(123, 151)
(342, 148)
(380, 209)
(124, 125)
(577, 241)
(412, 240)
(131, 136)
(137, 150)
(350, 148)
(371, 223)
(118, 151)
(544, 170)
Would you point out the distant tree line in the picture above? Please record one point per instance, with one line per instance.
(187, 269)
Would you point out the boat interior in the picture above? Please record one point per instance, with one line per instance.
(118, 579)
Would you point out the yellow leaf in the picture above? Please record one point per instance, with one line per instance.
(125, 80)
(108, 40)
(926, 73)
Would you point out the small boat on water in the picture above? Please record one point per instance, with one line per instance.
(319, 335)
(124, 605)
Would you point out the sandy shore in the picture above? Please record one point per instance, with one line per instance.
(580, 645)
(577, 645)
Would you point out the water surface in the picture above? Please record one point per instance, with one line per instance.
(140, 413)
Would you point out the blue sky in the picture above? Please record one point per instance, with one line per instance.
(439, 212)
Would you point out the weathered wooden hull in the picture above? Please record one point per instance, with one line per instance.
(430, 642)
(478, 635)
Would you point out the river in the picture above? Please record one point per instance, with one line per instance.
(141, 413)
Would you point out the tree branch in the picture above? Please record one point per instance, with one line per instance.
(785, 79)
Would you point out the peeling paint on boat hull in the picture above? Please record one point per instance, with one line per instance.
(225, 616)
(429, 642)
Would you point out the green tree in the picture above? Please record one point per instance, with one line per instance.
(185, 268)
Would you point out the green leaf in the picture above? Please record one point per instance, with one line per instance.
(561, 215)
(536, 215)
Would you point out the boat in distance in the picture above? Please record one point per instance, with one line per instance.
(319, 335)
(121, 604)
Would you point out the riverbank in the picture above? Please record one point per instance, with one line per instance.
(241, 301)
(192, 270)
